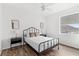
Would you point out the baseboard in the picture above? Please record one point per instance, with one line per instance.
(69, 46)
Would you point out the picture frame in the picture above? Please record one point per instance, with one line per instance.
(41, 25)
(15, 24)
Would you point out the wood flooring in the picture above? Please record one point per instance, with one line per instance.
(27, 51)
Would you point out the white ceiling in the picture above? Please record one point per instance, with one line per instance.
(49, 7)
(57, 7)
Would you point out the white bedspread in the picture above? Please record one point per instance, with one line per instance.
(35, 41)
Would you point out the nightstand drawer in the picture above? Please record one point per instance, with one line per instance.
(43, 35)
(16, 40)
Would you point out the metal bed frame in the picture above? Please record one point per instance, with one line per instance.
(34, 30)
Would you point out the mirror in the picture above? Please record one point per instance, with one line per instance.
(15, 24)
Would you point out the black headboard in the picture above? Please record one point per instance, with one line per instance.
(30, 30)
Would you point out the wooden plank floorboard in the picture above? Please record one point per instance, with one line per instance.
(27, 51)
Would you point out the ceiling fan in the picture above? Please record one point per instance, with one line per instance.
(46, 6)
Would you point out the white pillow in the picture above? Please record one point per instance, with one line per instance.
(32, 34)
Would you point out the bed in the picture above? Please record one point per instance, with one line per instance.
(39, 43)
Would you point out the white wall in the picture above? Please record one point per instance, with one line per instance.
(70, 40)
(0, 24)
(53, 22)
(28, 15)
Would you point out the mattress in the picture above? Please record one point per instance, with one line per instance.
(35, 41)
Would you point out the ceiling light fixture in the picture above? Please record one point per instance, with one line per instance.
(43, 7)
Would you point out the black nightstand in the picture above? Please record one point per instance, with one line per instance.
(15, 40)
(43, 35)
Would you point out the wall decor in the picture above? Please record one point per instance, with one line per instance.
(15, 24)
(41, 26)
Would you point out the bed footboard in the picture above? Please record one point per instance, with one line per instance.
(50, 44)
